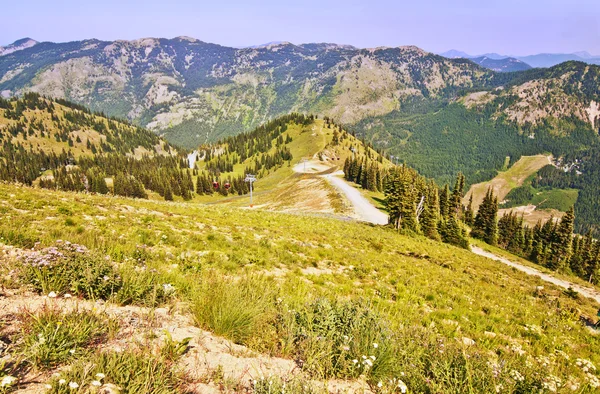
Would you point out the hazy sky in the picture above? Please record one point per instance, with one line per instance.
(516, 27)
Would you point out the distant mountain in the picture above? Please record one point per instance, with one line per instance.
(507, 64)
(492, 61)
(493, 55)
(18, 45)
(552, 59)
(536, 61)
(455, 54)
(585, 55)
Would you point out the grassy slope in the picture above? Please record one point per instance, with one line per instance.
(49, 142)
(426, 292)
(307, 142)
(505, 181)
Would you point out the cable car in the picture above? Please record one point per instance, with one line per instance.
(215, 184)
(227, 185)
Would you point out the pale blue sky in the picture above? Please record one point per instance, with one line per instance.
(517, 27)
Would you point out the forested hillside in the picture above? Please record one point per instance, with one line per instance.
(60, 145)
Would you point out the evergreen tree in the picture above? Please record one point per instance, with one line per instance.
(485, 225)
(562, 241)
(468, 218)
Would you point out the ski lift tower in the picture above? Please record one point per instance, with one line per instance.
(250, 179)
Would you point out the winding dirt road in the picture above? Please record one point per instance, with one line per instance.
(362, 207)
(585, 291)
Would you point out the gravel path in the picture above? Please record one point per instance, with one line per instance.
(362, 207)
(585, 291)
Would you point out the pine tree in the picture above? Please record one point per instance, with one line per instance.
(400, 200)
(485, 225)
(444, 202)
(457, 195)
(168, 193)
(563, 241)
(430, 216)
(468, 218)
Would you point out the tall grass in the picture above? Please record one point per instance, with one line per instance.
(51, 336)
(233, 308)
(131, 371)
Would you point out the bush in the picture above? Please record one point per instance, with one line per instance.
(70, 268)
(140, 287)
(340, 339)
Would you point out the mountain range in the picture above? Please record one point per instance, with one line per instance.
(537, 60)
(193, 92)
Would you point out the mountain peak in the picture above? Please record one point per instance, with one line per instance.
(18, 45)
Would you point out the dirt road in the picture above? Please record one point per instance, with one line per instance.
(363, 208)
(585, 291)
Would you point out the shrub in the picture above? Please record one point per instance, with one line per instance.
(340, 339)
(140, 287)
(70, 268)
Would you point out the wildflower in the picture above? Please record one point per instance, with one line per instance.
(96, 383)
(372, 358)
(100, 375)
(48, 387)
(355, 361)
(106, 278)
(73, 385)
(67, 295)
(380, 384)
(8, 381)
(402, 386)
(345, 348)
(52, 294)
(375, 345)
(72, 351)
(516, 376)
(62, 381)
(168, 288)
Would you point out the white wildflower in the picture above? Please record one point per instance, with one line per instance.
(375, 345)
(100, 375)
(73, 385)
(96, 383)
(8, 381)
(62, 381)
(516, 376)
(67, 295)
(52, 294)
(402, 386)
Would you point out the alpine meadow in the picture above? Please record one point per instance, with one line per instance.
(180, 217)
